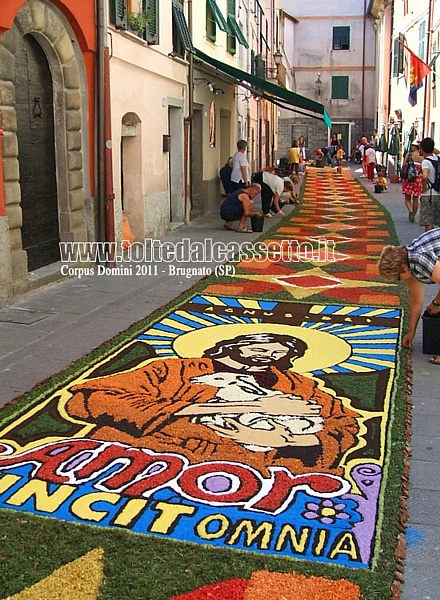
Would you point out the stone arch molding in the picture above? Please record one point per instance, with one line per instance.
(53, 33)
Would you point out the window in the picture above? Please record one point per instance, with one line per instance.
(341, 38)
(231, 39)
(398, 56)
(211, 28)
(120, 11)
(214, 18)
(235, 33)
(340, 87)
(422, 38)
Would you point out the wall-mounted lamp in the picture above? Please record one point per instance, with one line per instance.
(277, 57)
(318, 84)
(211, 86)
(273, 71)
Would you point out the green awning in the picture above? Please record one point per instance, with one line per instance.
(270, 91)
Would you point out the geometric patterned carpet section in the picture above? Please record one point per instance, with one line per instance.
(329, 247)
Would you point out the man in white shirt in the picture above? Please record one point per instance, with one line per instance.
(430, 198)
(240, 176)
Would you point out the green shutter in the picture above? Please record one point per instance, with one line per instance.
(231, 7)
(152, 7)
(182, 28)
(422, 37)
(260, 66)
(236, 31)
(398, 56)
(340, 87)
(118, 13)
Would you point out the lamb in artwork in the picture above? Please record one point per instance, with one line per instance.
(236, 387)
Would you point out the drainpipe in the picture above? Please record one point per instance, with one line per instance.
(364, 27)
(2, 190)
(248, 68)
(106, 225)
(426, 106)
(188, 122)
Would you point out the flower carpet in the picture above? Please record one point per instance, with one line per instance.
(246, 442)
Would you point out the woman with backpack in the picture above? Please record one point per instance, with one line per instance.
(412, 188)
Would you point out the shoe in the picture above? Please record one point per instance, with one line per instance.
(281, 213)
(411, 216)
(435, 360)
(362, 176)
(243, 230)
(269, 216)
(228, 226)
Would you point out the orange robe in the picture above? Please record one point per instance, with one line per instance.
(138, 408)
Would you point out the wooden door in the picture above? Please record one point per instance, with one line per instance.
(36, 154)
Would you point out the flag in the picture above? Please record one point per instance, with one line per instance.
(418, 70)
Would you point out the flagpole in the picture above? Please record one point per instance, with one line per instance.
(427, 94)
(414, 54)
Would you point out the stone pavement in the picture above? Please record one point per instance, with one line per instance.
(47, 330)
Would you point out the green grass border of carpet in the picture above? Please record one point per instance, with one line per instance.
(146, 567)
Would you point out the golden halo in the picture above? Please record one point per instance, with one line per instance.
(324, 349)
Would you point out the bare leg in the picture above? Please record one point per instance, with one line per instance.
(415, 204)
(409, 207)
(248, 205)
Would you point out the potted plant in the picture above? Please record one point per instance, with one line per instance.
(139, 21)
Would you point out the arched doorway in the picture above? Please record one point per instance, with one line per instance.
(36, 154)
(47, 124)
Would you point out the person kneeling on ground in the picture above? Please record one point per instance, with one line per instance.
(417, 263)
(381, 180)
(238, 206)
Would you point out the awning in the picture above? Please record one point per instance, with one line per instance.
(269, 91)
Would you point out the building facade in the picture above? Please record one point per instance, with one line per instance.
(407, 28)
(330, 58)
(120, 111)
(47, 110)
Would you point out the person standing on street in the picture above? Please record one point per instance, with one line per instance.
(412, 189)
(370, 161)
(225, 175)
(430, 199)
(240, 176)
(294, 157)
(417, 263)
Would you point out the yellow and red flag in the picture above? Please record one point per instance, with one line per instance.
(418, 70)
